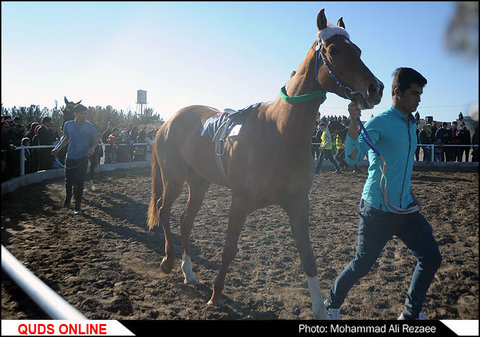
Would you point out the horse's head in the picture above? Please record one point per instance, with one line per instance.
(335, 126)
(68, 110)
(343, 72)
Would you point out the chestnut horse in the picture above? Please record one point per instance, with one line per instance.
(269, 162)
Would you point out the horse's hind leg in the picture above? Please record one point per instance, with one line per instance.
(197, 188)
(297, 208)
(173, 176)
(236, 219)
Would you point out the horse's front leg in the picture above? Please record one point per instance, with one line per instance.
(297, 208)
(236, 219)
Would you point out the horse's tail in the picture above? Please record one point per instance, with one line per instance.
(153, 218)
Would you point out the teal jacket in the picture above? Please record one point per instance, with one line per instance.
(394, 136)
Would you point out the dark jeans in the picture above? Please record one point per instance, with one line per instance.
(328, 155)
(75, 179)
(375, 230)
(427, 153)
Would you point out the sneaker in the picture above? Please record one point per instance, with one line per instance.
(421, 317)
(338, 171)
(79, 212)
(333, 314)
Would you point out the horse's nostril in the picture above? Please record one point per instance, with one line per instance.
(372, 89)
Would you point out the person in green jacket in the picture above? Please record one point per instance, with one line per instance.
(326, 148)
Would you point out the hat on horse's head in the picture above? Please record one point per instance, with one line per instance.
(329, 31)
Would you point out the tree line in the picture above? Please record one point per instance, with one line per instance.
(98, 115)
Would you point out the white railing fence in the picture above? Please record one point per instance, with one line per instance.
(432, 148)
(47, 299)
(23, 148)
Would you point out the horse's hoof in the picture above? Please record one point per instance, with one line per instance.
(165, 266)
(215, 301)
(190, 280)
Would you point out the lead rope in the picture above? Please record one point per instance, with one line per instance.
(59, 163)
(383, 169)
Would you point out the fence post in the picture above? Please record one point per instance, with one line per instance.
(22, 161)
(433, 152)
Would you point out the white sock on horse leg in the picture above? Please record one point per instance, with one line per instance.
(318, 307)
(187, 269)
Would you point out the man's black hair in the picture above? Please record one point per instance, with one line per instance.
(403, 77)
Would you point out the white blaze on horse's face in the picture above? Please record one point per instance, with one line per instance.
(348, 76)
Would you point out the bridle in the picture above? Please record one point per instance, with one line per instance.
(319, 93)
(349, 92)
(346, 90)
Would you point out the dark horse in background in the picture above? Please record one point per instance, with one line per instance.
(94, 159)
(268, 162)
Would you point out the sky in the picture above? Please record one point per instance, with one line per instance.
(220, 54)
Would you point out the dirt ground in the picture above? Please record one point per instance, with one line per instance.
(107, 264)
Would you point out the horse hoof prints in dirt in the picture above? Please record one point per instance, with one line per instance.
(268, 162)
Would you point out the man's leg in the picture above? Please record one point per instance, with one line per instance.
(80, 174)
(329, 155)
(374, 232)
(319, 162)
(416, 233)
(68, 188)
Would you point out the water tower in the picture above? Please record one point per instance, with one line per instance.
(141, 100)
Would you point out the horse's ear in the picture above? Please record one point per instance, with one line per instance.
(78, 102)
(321, 20)
(65, 99)
(340, 23)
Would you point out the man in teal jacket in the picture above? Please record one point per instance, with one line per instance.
(388, 206)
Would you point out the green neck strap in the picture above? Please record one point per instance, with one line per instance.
(303, 98)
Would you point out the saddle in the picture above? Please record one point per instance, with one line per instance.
(223, 125)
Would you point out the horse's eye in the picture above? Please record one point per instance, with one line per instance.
(332, 51)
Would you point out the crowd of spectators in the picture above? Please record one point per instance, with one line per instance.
(120, 142)
(120, 146)
(451, 142)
